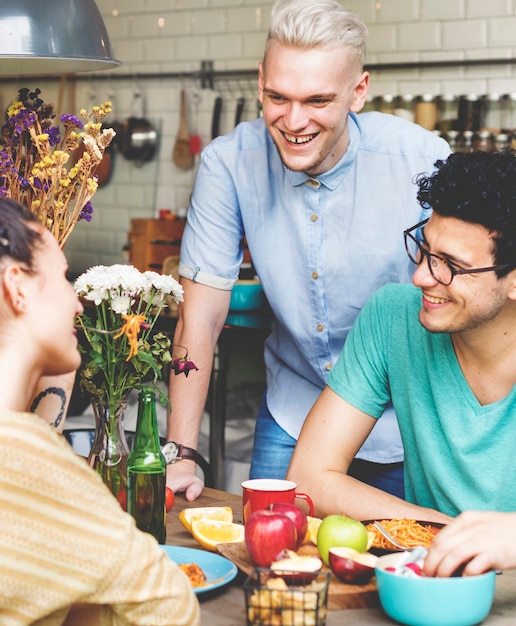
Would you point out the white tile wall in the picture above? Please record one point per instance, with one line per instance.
(153, 37)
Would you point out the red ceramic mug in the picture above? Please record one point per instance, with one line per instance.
(258, 493)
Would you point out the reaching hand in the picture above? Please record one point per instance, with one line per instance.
(181, 477)
(479, 541)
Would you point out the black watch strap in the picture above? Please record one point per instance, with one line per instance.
(174, 452)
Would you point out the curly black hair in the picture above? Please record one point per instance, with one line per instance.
(480, 188)
(18, 237)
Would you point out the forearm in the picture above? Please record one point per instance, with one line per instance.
(336, 492)
(201, 318)
(187, 395)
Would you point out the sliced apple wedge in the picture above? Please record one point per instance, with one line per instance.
(297, 569)
(351, 566)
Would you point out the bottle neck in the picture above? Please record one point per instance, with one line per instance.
(147, 436)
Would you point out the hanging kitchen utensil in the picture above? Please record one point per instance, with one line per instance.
(239, 110)
(139, 139)
(195, 140)
(182, 155)
(215, 122)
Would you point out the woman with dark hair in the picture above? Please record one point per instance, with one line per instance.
(68, 553)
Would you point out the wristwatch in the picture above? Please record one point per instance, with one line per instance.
(173, 452)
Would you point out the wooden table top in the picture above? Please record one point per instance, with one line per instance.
(226, 606)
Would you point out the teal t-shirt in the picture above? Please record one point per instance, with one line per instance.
(458, 454)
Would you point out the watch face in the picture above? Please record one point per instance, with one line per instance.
(170, 451)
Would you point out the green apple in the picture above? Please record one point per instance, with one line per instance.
(339, 530)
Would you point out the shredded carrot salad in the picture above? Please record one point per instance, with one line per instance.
(407, 531)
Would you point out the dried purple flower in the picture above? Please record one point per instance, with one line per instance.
(54, 136)
(37, 164)
(67, 119)
(180, 365)
(87, 212)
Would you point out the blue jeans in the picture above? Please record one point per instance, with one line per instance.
(273, 449)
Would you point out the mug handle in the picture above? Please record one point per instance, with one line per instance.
(308, 500)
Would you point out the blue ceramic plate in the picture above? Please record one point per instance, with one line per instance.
(219, 570)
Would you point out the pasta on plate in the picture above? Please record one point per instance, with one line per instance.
(409, 532)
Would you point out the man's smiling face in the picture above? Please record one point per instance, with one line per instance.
(306, 96)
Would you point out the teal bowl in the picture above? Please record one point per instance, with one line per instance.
(458, 601)
(247, 295)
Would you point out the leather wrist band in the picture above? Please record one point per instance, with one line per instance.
(174, 452)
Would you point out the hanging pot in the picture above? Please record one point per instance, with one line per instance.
(138, 137)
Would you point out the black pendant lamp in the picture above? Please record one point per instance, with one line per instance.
(53, 37)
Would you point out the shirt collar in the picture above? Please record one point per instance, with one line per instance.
(332, 178)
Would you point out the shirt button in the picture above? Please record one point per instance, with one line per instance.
(315, 275)
(320, 327)
(314, 218)
(313, 182)
(328, 367)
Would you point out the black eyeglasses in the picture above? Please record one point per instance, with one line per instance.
(441, 269)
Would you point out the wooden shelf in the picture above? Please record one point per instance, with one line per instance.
(153, 240)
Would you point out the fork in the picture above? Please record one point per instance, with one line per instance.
(388, 536)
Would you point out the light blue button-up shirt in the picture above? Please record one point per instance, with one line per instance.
(320, 245)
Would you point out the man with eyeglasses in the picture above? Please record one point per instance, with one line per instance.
(443, 350)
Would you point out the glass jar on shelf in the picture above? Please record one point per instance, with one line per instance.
(493, 112)
(470, 113)
(502, 141)
(483, 140)
(425, 111)
(447, 112)
(404, 106)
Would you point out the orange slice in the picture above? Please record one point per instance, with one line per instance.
(209, 532)
(219, 513)
(312, 530)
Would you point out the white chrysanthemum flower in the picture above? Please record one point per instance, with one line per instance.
(113, 278)
(121, 303)
(167, 285)
(147, 293)
(97, 296)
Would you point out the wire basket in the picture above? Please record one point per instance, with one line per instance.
(270, 601)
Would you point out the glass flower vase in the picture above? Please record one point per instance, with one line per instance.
(109, 450)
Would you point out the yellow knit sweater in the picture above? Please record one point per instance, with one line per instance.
(65, 539)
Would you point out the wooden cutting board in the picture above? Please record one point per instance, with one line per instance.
(340, 595)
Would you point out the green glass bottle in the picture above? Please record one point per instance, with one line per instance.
(146, 471)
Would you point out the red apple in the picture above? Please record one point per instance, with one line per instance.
(267, 534)
(295, 514)
(351, 566)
